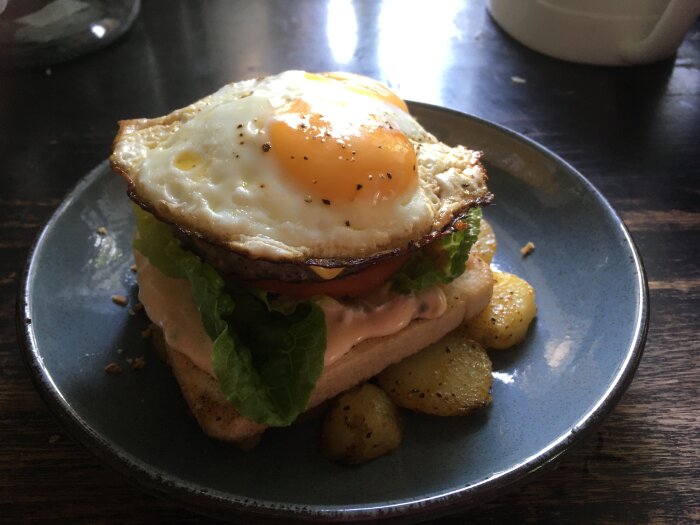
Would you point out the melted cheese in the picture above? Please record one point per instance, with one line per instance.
(169, 304)
(326, 273)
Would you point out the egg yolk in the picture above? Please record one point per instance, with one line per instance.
(342, 154)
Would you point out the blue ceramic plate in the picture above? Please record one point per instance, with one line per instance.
(548, 393)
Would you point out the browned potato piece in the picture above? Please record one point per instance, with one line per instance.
(362, 424)
(449, 378)
(505, 320)
(485, 245)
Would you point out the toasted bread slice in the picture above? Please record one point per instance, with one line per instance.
(466, 297)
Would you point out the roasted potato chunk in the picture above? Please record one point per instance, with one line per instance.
(505, 320)
(362, 424)
(485, 245)
(449, 378)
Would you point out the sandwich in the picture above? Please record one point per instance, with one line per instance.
(296, 235)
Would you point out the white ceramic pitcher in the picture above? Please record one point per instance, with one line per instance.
(604, 32)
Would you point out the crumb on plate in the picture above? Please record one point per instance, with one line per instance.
(135, 309)
(148, 332)
(113, 368)
(121, 300)
(136, 363)
(527, 249)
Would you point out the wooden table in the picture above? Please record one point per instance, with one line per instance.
(633, 132)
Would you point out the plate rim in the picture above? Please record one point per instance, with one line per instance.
(215, 503)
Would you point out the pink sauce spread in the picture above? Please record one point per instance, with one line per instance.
(169, 305)
(349, 323)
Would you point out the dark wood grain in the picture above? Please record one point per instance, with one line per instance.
(634, 132)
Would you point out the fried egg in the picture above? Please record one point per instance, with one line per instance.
(299, 166)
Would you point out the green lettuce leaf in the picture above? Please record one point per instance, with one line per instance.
(442, 262)
(267, 361)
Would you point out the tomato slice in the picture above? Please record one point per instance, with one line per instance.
(352, 285)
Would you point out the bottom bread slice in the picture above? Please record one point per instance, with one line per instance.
(466, 296)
